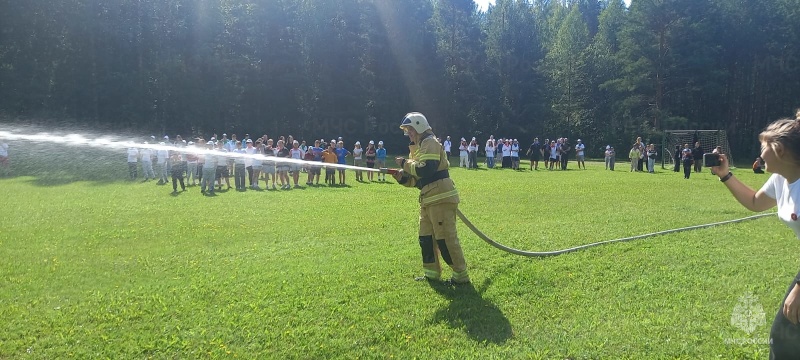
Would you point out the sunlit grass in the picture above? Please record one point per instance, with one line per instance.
(98, 267)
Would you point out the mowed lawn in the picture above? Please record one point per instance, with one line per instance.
(94, 266)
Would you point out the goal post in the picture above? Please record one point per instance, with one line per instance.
(709, 139)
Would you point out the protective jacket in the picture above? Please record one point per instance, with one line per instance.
(426, 168)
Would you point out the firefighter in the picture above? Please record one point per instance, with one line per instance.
(426, 169)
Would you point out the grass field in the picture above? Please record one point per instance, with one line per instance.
(94, 266)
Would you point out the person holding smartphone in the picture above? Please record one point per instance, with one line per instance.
(780, 149)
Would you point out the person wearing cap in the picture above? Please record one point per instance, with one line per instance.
(370, 154)
(358, 160)
(579, 154)
(380, 160)
(282, 167)
(426, 168)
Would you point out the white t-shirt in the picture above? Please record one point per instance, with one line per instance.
(162, 156)
(356, 153)
(506, 151)
(447, 145)
(211, 161)
(514, 150)
(297, 153)
(147, 155)
(489, 151)
(133, 155)
(579, 148)
(787, 196)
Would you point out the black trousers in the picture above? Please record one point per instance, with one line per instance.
(250, 174)
(238, 176)
(687, 168)
(677, 165)
(784, 336)
(175, 178)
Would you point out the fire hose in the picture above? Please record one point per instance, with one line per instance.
(511, 250)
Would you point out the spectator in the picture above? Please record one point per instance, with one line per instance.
(515, 154)
(489, 149)
(447, 146)
(209, 171)
(191, 165)
(676, 157)
(534, 152)
(553, 153)
(506, 162)
(579, 154)
(177, 171)
(133, 159)
(147, 163)
(473, 153)
(329, 157)
(697, 156)
(633, 156)
(370, 154)
(463, 149)
(162, 155)
(687, 158)
(282, 167)
(269, 167)
(380, 159)
(297, 154)
(239, 166)
(341, 155)
(564, 153)
(642, 153)
(607, 154)
(358, 160)
(651, 158)
(545, 153)
(613, 159)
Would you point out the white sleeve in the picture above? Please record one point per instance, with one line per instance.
(770, 187)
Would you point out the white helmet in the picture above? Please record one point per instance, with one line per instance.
(417, 121)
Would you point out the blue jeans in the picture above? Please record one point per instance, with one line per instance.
(490, 162)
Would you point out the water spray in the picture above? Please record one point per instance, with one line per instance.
(115, 143)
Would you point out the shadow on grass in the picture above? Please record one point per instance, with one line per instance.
(480, 319)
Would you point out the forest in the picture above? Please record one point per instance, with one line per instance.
(592, 69)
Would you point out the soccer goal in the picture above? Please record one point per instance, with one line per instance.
(709, 139)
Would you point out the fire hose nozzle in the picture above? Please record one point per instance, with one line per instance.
(388, 171)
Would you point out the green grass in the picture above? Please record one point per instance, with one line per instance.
(98, 267)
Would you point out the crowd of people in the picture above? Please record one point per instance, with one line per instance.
(225, 157)
(553, 154)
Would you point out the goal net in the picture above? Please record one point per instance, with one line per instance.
(709, 139)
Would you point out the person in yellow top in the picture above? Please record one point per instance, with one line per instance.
(329, 156)
(426, 168)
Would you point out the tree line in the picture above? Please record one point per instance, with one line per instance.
(593, 69)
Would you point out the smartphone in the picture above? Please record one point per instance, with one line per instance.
(711, 159)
